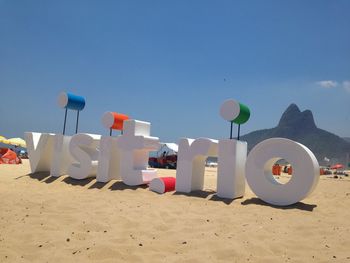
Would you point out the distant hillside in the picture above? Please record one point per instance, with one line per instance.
(300, 126)
(347, 139)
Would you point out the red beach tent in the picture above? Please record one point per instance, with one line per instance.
(8, 156)
(337, 166)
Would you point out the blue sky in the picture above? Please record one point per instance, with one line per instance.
(173, 63)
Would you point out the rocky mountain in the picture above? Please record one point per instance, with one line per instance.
(347, 139)
(300, 126)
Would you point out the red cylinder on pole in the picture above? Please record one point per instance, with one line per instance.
(119, 119)
(114, 120)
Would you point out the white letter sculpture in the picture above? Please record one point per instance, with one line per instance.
(134, 146)
(40, 147)
(83, 148)
(109, 160)
(259, 171)
(61, 158)
(191, 163)
(231, 168)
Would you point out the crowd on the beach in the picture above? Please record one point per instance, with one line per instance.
(324, 170)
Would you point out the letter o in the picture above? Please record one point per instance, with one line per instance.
(259, 176)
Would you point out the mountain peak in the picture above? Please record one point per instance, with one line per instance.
(300, 127)
(293, 117)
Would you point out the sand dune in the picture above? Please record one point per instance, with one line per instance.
(46, 219)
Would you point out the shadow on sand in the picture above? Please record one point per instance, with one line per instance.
(299, 205)
(50, 179)
(97, 185)
(205, 194)
(81, 182)
(197, 193)
(120, 186)
(227, 201)
(45, 177)
(40, 176)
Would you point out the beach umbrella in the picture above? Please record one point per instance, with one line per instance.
(16, 141)
(3, 139)
(337, 166)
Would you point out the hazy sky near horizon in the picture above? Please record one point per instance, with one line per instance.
(173, 63)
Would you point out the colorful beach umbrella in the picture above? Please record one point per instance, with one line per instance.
(16, 141)
(3, 139)
(337, 166)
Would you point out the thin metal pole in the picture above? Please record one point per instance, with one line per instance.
(64, 124)
(110, 132)
(239, 131)
(231, 130)
(76, 126)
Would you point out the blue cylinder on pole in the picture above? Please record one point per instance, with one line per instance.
(71, 101)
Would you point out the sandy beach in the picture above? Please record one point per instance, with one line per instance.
(47, 219)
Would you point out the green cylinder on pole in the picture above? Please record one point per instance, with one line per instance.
(243, 115)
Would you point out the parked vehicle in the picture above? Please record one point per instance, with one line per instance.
(166, 157)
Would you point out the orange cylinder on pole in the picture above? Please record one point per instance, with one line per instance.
(114, 120)
(119, 119)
